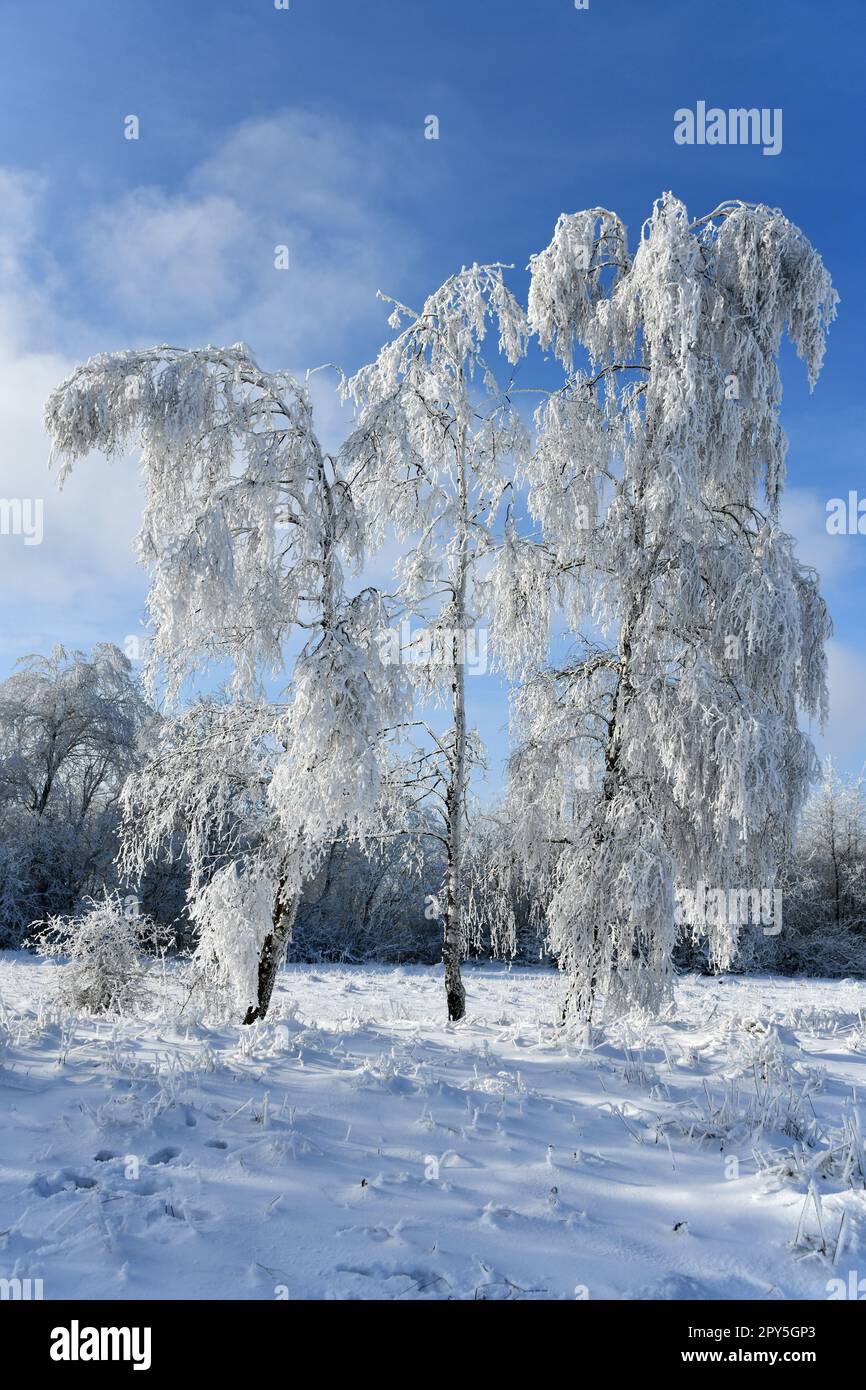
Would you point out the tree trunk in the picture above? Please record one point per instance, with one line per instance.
(452, 943)
(274, 950)
(580, 999)
(581, 995)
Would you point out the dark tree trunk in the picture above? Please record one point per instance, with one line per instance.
(452, 944)
(274, 951)
(455, 994)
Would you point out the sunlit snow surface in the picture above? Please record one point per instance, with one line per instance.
(355, 1146)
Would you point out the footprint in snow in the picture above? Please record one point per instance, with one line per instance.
(66, 1181)
(164, 1155)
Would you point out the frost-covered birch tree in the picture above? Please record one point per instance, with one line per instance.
(69, 729)
(665, 753)
(434, 434)
(245, 523)
(831, 848)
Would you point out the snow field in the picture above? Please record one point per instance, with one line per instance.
(354, 1146)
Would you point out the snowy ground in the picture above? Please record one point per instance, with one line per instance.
(355, 1147)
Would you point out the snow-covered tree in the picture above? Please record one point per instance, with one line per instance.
(205, 781)
(69, 727)
(372, 904)
(831, 845)
(825, 888)
(245, 523)
(202, 797)
(665, 753)
(427, 458)
(823, 891)
(102, 947)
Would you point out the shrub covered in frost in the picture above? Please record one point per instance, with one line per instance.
(101, 948)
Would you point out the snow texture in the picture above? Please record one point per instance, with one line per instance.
(354, 1146)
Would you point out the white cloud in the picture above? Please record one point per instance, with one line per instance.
(836, 558)
(26, 272)
(189, 265)
(845, 739)
(198, 264)
(839, 561)
(68, 587)
(64, 585)
(164, 257)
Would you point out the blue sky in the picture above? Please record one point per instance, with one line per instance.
(306, 127)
